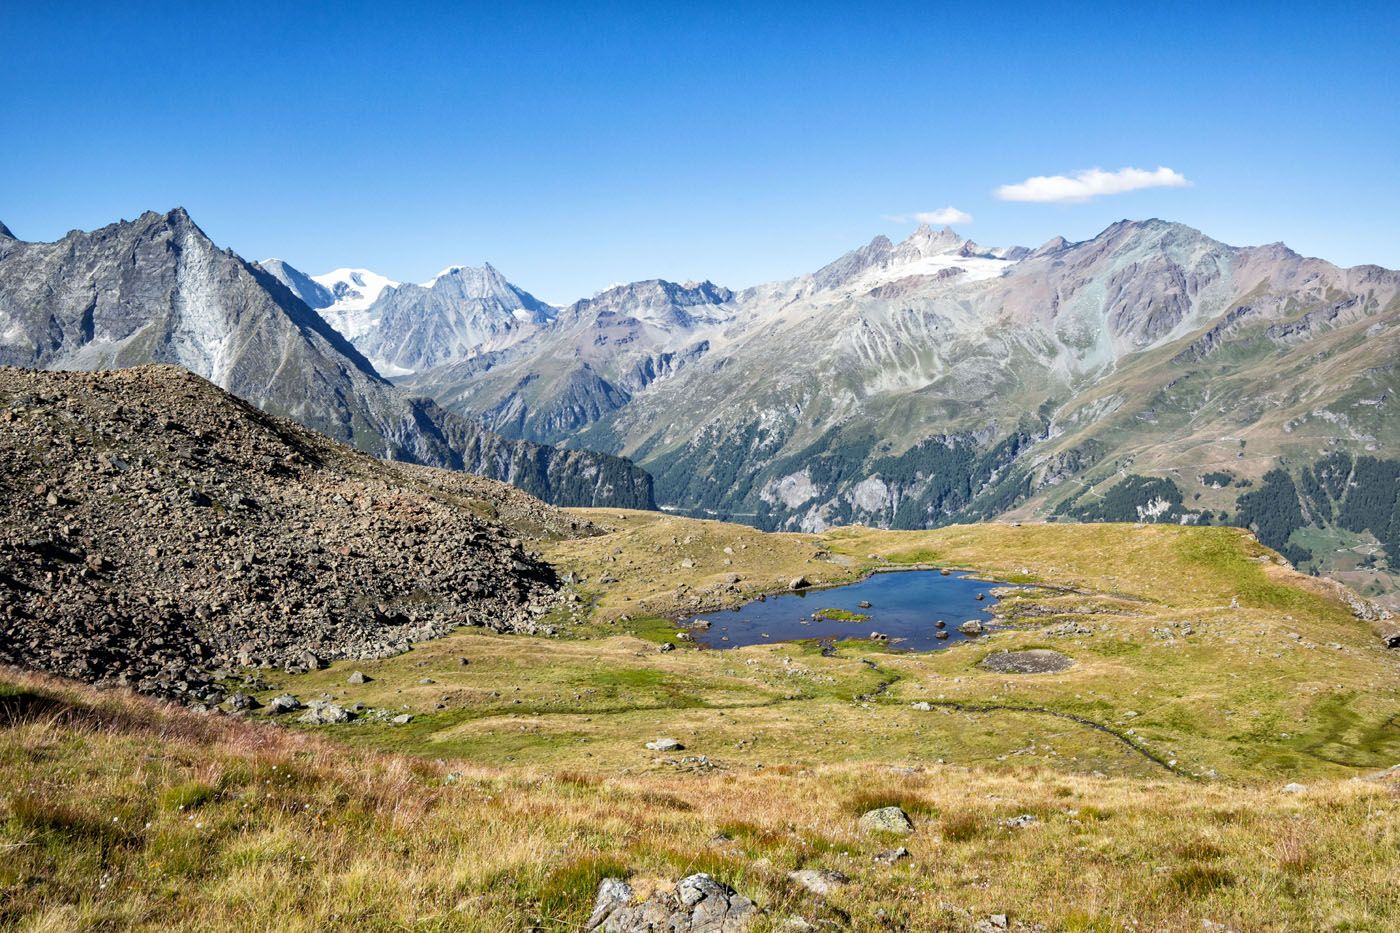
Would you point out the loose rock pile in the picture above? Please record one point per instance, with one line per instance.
(1030, 661)
(160, 534)
(699, 904)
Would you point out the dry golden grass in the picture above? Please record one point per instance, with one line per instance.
(118, 812)
(1154, 767)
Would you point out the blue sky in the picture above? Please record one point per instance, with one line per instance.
(576, 147)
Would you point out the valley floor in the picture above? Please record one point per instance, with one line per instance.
(1220, 751)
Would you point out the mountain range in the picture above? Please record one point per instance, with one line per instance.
(158, 290)
(1150, 373)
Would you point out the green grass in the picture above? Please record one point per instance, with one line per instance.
(841, 615)
(310, 834)
(553, 786)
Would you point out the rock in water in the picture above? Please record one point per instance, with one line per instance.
(887, 820)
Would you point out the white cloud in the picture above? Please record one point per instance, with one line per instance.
(1091, 183)
(944, 216)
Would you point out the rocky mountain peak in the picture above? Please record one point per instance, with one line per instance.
(5, 233)
(483, 283)
(834, 274)
(460, 313)
(315, 294)
(1050, 246)
(925, 241)
(659, 302)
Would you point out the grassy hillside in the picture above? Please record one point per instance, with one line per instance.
(1207, 676)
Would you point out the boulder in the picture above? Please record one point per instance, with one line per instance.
(665, 745)
(971, 627)
(242, 701)
(799, 583)
(321, 713)
(886, 820)
(698, 903)
(357, 678)
(818, 880)
(614, 894)
(890, 856)
(285, 703)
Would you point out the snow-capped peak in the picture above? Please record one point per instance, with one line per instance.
(484, 276)
(925, 241)
(450, 270)
(942, 253)
(355, 285)
(354, 290)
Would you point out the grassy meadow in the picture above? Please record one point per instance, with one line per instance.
(1207, 676)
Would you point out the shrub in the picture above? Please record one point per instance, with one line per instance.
(876, 799)
(963, 826)
(574, 883)
(1197, 880)
(187, 796)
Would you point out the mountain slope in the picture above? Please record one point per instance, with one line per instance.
(311, 292)
(934, 380)
(158, 290)
(462, 312)
(594, 357)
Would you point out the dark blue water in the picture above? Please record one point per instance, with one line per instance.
(905, 605)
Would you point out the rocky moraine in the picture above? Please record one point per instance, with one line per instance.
(161, 534)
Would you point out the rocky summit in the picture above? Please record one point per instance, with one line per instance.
(160, 533)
